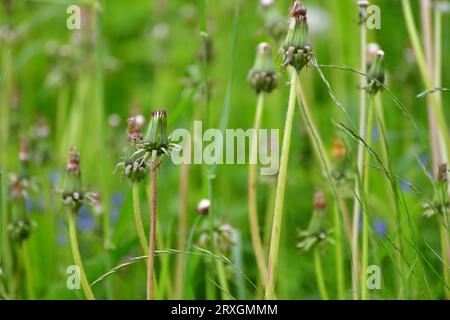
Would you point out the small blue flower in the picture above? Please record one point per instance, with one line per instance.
(375, 134)
(381, 227)
(405, 186)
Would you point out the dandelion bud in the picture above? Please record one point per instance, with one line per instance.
(24, 150)
(443, 173)
(372, 50)
(296, 50)
(263, 77)
(376, 74)
(72, 195)
(338, 150)
(203, 206)
(133, 131)
(156, 136)
(20, 229)
(319, 201)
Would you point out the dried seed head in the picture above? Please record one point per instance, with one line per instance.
(73, 163)
(338, 151)
(24, 150)
(376, 74)
(263, 76)
(319, 201)
(443, 173)
(133, 131)
(203, 206)
(296, 50)
(156, 136)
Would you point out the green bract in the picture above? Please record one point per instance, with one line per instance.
(156, 137)
(376, 74)
(296, 50)
(263, 76)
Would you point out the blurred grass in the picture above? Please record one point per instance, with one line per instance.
(153, 43)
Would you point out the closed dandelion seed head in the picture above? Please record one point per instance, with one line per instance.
(296, 50)
(317, 233)
(443, 173)
(133, 130)
(376, 75)
(72, 194)
(156, 136)
(263, 76)
(319, 201)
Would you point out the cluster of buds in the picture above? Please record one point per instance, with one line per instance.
(296, 50)
(317, 233)
(143, 152)
(376, 75)
(223, 237)
(263, 76)
(133, 168)
(274, 22)
(73, 195)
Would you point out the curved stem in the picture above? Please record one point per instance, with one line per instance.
(151, 244)
(138, 219)
(319, 275)
(77, 257)
(279, 199)
(252, 194)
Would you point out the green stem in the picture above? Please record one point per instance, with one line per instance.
(152, 237)
(77, 257)
(360, 156)
(252, 194)
(319, 275)
(339, 201)
(28, 271)
(395, 221)
(182, 229)
(445, 257)
(279, 199)
(444, 138)
(365, 222)
(138, 219)
(225, 289)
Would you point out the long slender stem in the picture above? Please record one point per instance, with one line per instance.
(319, 275)
(339, 208)
(28, 271)
(444, 138)
(152, 237)
(360, 156)
(77, 257)
(395, 221)
(445, 247)
(138, 219)
(252, 195)
(279, 199)
(182, 229)
(225, 289)
(365, 217)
